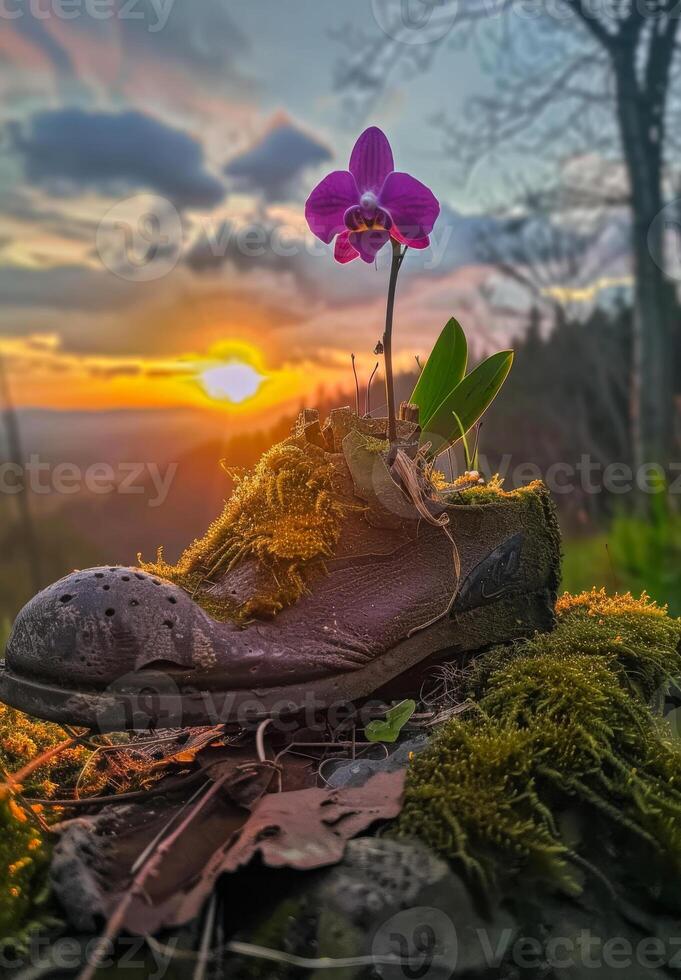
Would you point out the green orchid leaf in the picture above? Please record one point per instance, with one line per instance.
(443, 370)
(462, 407)
(388, 729)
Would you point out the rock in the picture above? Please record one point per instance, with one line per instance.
(74, 881)
(307, 428)
(357, 772)
(390, 909)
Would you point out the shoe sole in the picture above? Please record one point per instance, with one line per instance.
(147, 699)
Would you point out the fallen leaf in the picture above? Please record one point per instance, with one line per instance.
(309, 828)
(303, 829)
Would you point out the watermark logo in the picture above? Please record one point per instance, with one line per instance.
(415, 22)
(664, 240)
(140, 238)
(127, 705)
(423, 943)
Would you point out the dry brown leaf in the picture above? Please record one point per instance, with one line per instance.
(303, 829)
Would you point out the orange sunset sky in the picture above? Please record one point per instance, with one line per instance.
(154, 170)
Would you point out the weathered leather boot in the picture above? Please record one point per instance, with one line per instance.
(335, 569)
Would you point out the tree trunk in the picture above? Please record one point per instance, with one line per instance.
(652, 383)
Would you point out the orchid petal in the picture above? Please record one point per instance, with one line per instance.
(328, 202)
(368, 243)
(411, 242)
(371, 160)
(412, 206)
(343, 251)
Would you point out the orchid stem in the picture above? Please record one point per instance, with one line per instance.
(398, 258)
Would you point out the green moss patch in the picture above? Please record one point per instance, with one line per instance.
(561, 722)
(286, 512)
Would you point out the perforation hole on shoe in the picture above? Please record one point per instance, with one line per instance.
(110, 612)
(65, 598)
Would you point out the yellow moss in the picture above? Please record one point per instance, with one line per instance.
(374, 445)
(286, 513)
(598, 602)
(24, 851)
(23, 861)
(22, 738)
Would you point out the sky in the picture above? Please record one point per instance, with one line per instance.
(155, 157)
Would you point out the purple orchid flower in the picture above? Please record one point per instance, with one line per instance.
(365, 206)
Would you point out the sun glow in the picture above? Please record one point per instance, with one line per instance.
(234, 382)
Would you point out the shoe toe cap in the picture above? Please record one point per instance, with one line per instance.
(93, 626)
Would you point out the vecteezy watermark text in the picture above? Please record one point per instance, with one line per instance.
(153, 13)
(143, 237)
(586, 475)
(45, 953)
(42, 477)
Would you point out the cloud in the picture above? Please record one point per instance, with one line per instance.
(65, 288)
(114, 151)
(200, 36)
(274, 164)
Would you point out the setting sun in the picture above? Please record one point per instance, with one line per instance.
(234, 382)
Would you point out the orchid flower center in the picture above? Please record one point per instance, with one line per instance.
(360, 218)
(368, 202)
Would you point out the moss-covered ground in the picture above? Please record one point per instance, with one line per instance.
(24, 844)
(564, 726)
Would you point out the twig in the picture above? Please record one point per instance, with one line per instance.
(260, 739)
(17, 779)
(278, 956)
(371, 378)
(204, 949)
(151, 866)
(35, 817)
(141, 794)
(354, 371)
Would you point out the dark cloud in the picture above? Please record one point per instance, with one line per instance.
(273, 166)
(126, 150)
(108, 372)
(263, 245)
(65, 287)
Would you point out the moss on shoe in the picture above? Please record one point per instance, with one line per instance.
(286, 512)
(559, 720)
